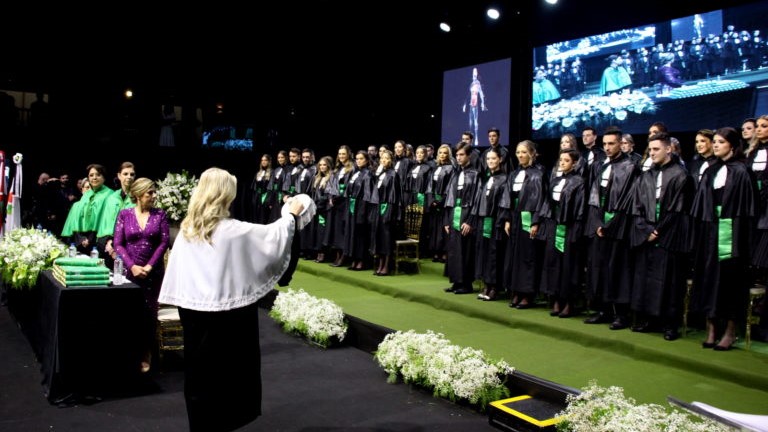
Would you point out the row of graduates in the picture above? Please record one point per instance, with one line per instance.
(353, 197)
(639, 234)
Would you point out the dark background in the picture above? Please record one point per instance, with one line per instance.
(314, 75)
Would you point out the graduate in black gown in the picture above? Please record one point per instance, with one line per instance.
(275, 187)
(491, 241)
(660, 208)
(303, 185)
(723, 210)
(415, 192)
(610, 265)
(527, 189)
(386, 201)
(258, 211)
(437, 188)
(757, 160)
(322, 189)
(562, 225)
(358, 191)
(336, 233)
(704, 156)
(460, 224)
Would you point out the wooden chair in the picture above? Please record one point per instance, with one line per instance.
(755, 294)
(407, 250)
(170, 335)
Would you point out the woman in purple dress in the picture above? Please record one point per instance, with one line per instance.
(141, 239)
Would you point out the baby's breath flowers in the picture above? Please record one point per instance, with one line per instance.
(452, 372)
(173, 193)
(314, 318)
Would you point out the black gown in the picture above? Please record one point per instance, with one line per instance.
(435, 202)
(723, 220)
(258, 211)
(661, 267)
(758, 163)
(609, 267)
(336, 233)
(275, 196)
(491, 241)
(562, 224)
(459, 200)
(386, 202)
(524, 256)
(414, 194)
(359, 191)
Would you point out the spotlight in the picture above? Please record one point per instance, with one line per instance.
(552, 2)
(493, 13)
(445, 27)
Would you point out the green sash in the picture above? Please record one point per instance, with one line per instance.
(352, 202)
(263, 197)
(525, 218)
(383, 208)
(438, 197)
(420, 199)
(724, 236)
(292, 190)
(321, 220)
(608, 216)
(487, 227)
(457, 215)
(759, 185)
(658, 211)
(560, 238)
(342, 188)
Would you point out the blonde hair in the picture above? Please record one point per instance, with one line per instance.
(139, 187)
(209, 204)
(321, 180)
(754, 142)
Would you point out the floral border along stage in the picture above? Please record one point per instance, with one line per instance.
(173, 193)
(317, 319)
(601, 409)
(24, 253)
(429, 360)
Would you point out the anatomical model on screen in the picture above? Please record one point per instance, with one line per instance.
(476, 102)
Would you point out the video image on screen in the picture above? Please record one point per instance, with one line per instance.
(228, 137)
(476, 98)
(687, 81)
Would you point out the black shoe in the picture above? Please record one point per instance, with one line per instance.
(598, 318)
(644, 327)
(463, 291)
(671, 334)
(618, 324)
(708, 344)
(450, 289)
(554, 313)
(523, 306)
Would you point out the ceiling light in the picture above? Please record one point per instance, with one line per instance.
(493, 13)
(551, 1)
(445, 27)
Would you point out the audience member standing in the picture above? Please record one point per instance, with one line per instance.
(141, 238)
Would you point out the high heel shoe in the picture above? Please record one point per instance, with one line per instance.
(728, 347)
(706, 344)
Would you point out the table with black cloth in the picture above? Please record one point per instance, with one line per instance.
(88, 340)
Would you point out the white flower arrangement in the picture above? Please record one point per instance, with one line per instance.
(587, 110)
(429, 360)
(601, 409)
(314, 318)
(24, 253)
(173, 193)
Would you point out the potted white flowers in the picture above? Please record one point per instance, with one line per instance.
(24, 253)
(431, 361)
(319, 320)
(173, 193)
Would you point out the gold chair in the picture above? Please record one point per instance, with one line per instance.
(407, 250)
(755, 294)
(686, 305)
(170, 335)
